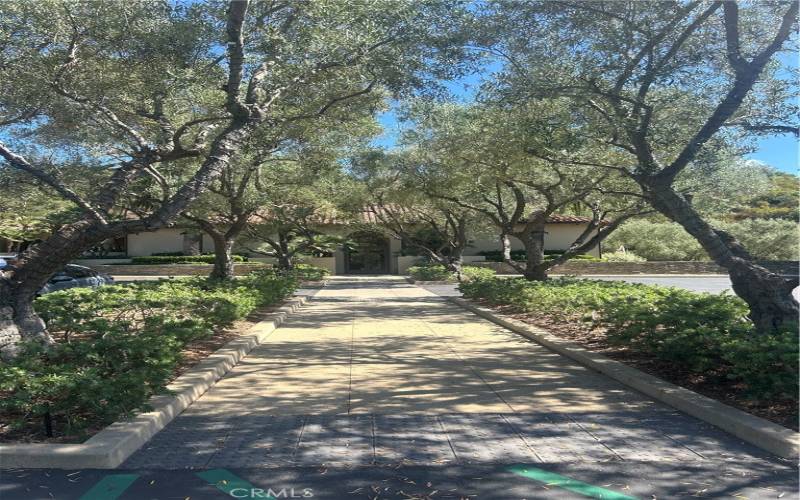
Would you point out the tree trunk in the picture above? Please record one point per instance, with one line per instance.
(505, 247)
(533, 240)
(285, 255)
(20, 285)
(285, 261)
(768, 295)
(455, 262)
(223, 257)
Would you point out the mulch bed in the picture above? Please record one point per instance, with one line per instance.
(713, 384)
(193, 353)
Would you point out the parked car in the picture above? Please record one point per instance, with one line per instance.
(76, 276)
(7, 259)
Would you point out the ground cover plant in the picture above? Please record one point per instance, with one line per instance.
(438, 272)
(115, 346)
(697, 335)
(306, 272)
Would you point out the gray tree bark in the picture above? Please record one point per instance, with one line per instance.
(768, 295)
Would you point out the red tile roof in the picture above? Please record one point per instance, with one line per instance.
(568, 219)
(369, 215)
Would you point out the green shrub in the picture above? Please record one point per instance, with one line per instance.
(655, 241)
(765, 239)
(519, 255)
(470, 273)
(696, 332)
(181, 259)
(497, 255)
(120, 344)
(431, 272)
(438, 272)
(307, 272)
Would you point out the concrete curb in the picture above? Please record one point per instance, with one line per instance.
(757, 431)
(314, 284)
(113, 445)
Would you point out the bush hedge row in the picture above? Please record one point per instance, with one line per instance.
(118, 345)
(697, 332)
(519, 255)
(181, 259)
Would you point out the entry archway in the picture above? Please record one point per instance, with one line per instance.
(368, 253)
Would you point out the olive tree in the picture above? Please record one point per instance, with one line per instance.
(666, 84)
(482, 158)
(137, 89)
(396, 197)
(279, 166)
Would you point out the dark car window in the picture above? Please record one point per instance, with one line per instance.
(78, 272)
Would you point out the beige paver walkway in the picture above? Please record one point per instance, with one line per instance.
(388, 346)
(376, 370)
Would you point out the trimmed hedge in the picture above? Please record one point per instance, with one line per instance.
(519, 255)
(120, 344)
(181, 259)
(697, 332)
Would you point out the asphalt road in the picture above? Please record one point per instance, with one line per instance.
(622, 480)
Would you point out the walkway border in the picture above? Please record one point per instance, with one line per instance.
(113, 445)
(757, 431)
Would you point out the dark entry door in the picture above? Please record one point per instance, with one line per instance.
(369, 254)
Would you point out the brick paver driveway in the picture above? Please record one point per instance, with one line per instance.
(380, 389)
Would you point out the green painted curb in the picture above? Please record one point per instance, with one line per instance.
(110, 487)
(553, 479)
(227, 482)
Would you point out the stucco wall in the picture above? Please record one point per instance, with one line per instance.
(557, 237)
(163, 240)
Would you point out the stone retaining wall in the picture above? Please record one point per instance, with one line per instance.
(665, 267)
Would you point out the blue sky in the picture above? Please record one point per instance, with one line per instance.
(780, 152)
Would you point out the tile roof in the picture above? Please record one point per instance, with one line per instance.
(568, 219)
(370, 215)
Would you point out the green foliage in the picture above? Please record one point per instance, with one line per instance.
(307, 272)
(470, 273)
(120, 344)
(497, 255)
(780, 201)
(696, 332)
(766, 239)
(655, 241)
(27, 212)
(438, 272)
(774, 239)
(519, 255)
(181, 259)
(432, 272)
